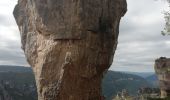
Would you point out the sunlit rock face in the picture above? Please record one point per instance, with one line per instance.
(162, 68)
(69, 44)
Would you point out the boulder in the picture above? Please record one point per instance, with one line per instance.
(70, 44)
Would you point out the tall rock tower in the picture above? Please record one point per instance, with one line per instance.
(162, 68)
(69, 44)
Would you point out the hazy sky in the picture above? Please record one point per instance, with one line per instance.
(140, 39)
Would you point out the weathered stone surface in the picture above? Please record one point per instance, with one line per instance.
(162, 68)
(69, 44)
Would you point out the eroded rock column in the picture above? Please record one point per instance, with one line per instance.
(162, 68)
(69, 44)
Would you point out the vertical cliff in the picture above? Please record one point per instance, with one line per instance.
(162, 68)
(69, 44)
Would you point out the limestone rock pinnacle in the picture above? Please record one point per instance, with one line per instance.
(162, 69)
(69, 44)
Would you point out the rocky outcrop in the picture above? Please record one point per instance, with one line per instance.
(69, 44)
(162, 68)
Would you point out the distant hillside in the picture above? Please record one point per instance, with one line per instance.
(17, 74)
(115, 82)
(153, 79)
(6, 68)
(19, 83)
(141, 74)
(149, 76)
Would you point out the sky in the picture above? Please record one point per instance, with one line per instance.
(140, 39)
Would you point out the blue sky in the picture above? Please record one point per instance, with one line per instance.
(140, 39)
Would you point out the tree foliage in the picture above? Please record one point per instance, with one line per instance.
(166, 30)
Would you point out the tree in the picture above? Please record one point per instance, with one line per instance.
(166, 30)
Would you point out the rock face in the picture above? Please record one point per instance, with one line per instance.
(69, 44)
(162, 68)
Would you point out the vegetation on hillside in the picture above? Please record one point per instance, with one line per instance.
(22, 81)
(115, 82)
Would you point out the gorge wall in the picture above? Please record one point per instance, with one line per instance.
(69, 44)
(162, 68)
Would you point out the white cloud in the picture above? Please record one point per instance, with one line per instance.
(10, 46)
(140, 39)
